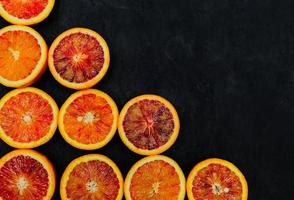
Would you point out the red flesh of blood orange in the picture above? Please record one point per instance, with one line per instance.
(148, 124)
(217, 182)
(78, 57)
(24, 9)
(99, 178)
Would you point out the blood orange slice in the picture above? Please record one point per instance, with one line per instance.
(79, 58)
(148, 125)
(216, 179)
(155, 177)
(23, 56)
(28, 118)
(92, 177)
(88, 119)
(26, 174)
(25, 12)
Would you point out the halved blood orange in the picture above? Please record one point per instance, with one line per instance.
(148, 124)
(155, 177)
(79, 58)
(28, 117)
(91, 177)
(25, 12)
(26, 174)
(88, 119)
(216, 179)
(23, 56)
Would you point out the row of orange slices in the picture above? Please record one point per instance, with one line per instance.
(88, 120)
(96, 177)
(78, 58)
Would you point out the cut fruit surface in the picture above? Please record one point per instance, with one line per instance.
(28, 118)
(148, 125)
(25, 12)
(216, 179)
(88, 119)
(26, 174)
(23, 56)
(91, 177)
(155, 177)
(79, 58)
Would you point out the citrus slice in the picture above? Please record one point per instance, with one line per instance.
(79, 58)
(91, 177)
(25, 12)
(26, 174)
(23, 56)
(216, 179)
(155, 177)
(88, 119)
(28, 117)
(148, 124)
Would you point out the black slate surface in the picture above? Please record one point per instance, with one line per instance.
(226, 65)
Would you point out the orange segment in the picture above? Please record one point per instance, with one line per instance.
(92, 177)
(79, 58)
(26, 174)
(88, 119)
(25, 12)
(28, 118)
(155, 178)
(23, 56)
(148, 124)
(216, 179)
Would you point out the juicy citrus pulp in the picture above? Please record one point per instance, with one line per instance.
(26, 174)
(23, 56)
(79, 58)
(216, 179)
(25, 12)
(88, 119)
(148, 124)
(155, 177)
(28, 118)
(92, 177)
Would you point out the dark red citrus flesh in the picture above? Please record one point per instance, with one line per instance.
(24, 9)
(26, 117)
(78, 57)
(23, 178)
(148, 124)
(155, 180)
(88, 119)
(92, 180)
(217, 182)
(20, 54)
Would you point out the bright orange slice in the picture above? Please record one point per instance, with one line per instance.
(88, 119)
(79, 58)
(92, 177)
(28, 118)
(155, 177)
(148, 125)
(23, 56)
(25, 12)
(26, 174)
(216, 179)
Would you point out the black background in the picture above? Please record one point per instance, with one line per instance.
(226, 65)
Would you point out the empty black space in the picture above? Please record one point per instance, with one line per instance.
(226, 65)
